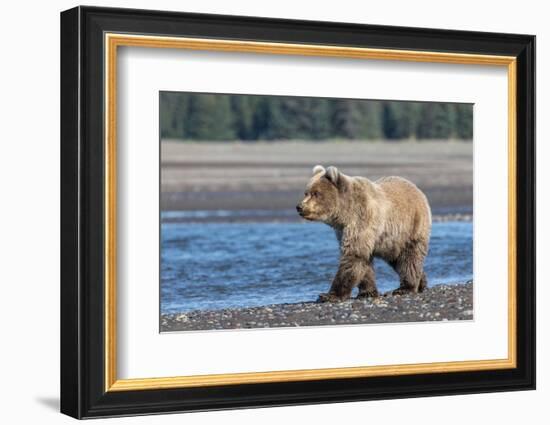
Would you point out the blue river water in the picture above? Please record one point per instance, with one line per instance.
(215, 265)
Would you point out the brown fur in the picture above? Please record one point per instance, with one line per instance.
(389, 219)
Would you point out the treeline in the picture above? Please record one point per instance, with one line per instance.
(196, 116)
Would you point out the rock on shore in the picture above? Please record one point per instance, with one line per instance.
(437, 303)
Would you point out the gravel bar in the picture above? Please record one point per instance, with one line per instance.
(436, 303)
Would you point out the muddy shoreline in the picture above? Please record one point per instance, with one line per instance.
(272, 176)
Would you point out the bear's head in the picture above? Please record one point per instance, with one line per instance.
(322, 195)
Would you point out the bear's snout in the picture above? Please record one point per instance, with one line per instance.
(300, 209)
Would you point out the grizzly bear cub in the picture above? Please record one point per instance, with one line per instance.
(389, 218)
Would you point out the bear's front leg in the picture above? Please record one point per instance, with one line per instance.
(350, 272)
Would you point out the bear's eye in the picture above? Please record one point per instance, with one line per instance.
(315, 194)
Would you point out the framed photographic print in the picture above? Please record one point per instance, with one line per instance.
(261, 212)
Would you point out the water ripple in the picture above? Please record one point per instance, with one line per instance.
(221, 265)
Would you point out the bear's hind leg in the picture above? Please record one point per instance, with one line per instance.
(423, 283)
(409, 265)
(367, 286)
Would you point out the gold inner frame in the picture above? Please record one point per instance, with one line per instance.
(113, 41)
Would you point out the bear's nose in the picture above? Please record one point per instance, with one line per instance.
(299, 208)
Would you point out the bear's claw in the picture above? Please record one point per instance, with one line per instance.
(367, 294)
(402, 291)
(328, 298)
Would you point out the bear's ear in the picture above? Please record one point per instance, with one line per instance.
(318, 169)
(333, 175)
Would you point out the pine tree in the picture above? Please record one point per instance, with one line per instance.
(371, 120)
(436, 121)
(280, 118)
(311, 118)
(210, 118)
(463, 121)
(346, 119)
(173, 114)
(242, 108)
(400, 119)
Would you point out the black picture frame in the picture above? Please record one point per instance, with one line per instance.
(83, 392)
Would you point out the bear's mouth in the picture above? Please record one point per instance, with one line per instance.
(306, 215)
